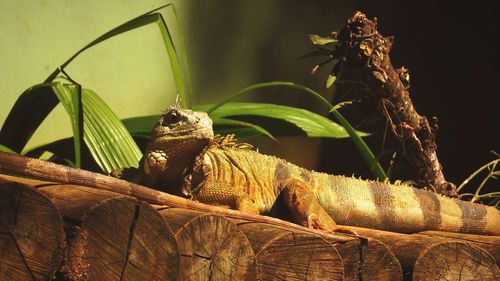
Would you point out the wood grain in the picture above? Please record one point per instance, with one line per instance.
(32, 238)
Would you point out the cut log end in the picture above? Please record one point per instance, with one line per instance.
(211, 246)
(455, 261)
(123, 239)
(28, 250)
(285, 255)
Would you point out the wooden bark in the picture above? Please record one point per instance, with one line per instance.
(32, 238)
(211, 246)
(410, 248)
(111, 236)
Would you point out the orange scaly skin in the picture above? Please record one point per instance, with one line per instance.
(223, 173)
(184, 158)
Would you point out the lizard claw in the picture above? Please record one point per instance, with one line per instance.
(344, 230)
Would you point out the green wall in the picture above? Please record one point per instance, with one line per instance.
(230, 44)
(128, 70)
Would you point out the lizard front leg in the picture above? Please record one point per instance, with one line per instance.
(226, 196)
(305, 208)
(153, 165)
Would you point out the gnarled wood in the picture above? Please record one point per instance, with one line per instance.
(367, 51)
(211, 247)
(32, 239)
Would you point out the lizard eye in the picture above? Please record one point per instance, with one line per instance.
(170, 118)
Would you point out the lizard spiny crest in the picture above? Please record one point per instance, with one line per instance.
(230, 142)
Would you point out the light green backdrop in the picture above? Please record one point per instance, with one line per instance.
(230, 44)
(37, 36)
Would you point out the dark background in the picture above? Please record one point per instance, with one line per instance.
(451, 49)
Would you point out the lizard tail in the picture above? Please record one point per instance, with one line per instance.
(403, 209)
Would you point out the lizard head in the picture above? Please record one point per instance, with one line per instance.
(181, 124)
(177, 139)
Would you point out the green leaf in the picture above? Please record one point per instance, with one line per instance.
(321, 41)
(108, 141)
(330, 80)
(33, 105)
(71, 100)
(142, 125)
(362, 147)
(30, 109)
(62, 147)
(142, 20)
(366, 153)
(311, 124)
(287, 84)
(341, 104)
(6, 149)
(225, 126)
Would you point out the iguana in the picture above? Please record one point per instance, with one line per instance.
(184, 158)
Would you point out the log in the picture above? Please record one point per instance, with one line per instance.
(32, 239)
(111, 236)
(409, 248)
(202, 235)
(367, 259)
(455, 261)
(211, 246)
(490, 244)
(282, 254)
(361, 259)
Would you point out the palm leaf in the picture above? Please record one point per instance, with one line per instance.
(362, 147)
(309, 123)
(26, 115)
(108, 141)
(33, 105)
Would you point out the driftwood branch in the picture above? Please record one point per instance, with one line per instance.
(367, 52)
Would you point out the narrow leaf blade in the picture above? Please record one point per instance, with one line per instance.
(321, 41)
(312, 124)
(29, 111)
(107, 139)
(330, 80)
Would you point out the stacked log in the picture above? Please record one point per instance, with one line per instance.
(82, 233)
(109, 236)
(211, 246)
(32, 239)
(449, 256)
